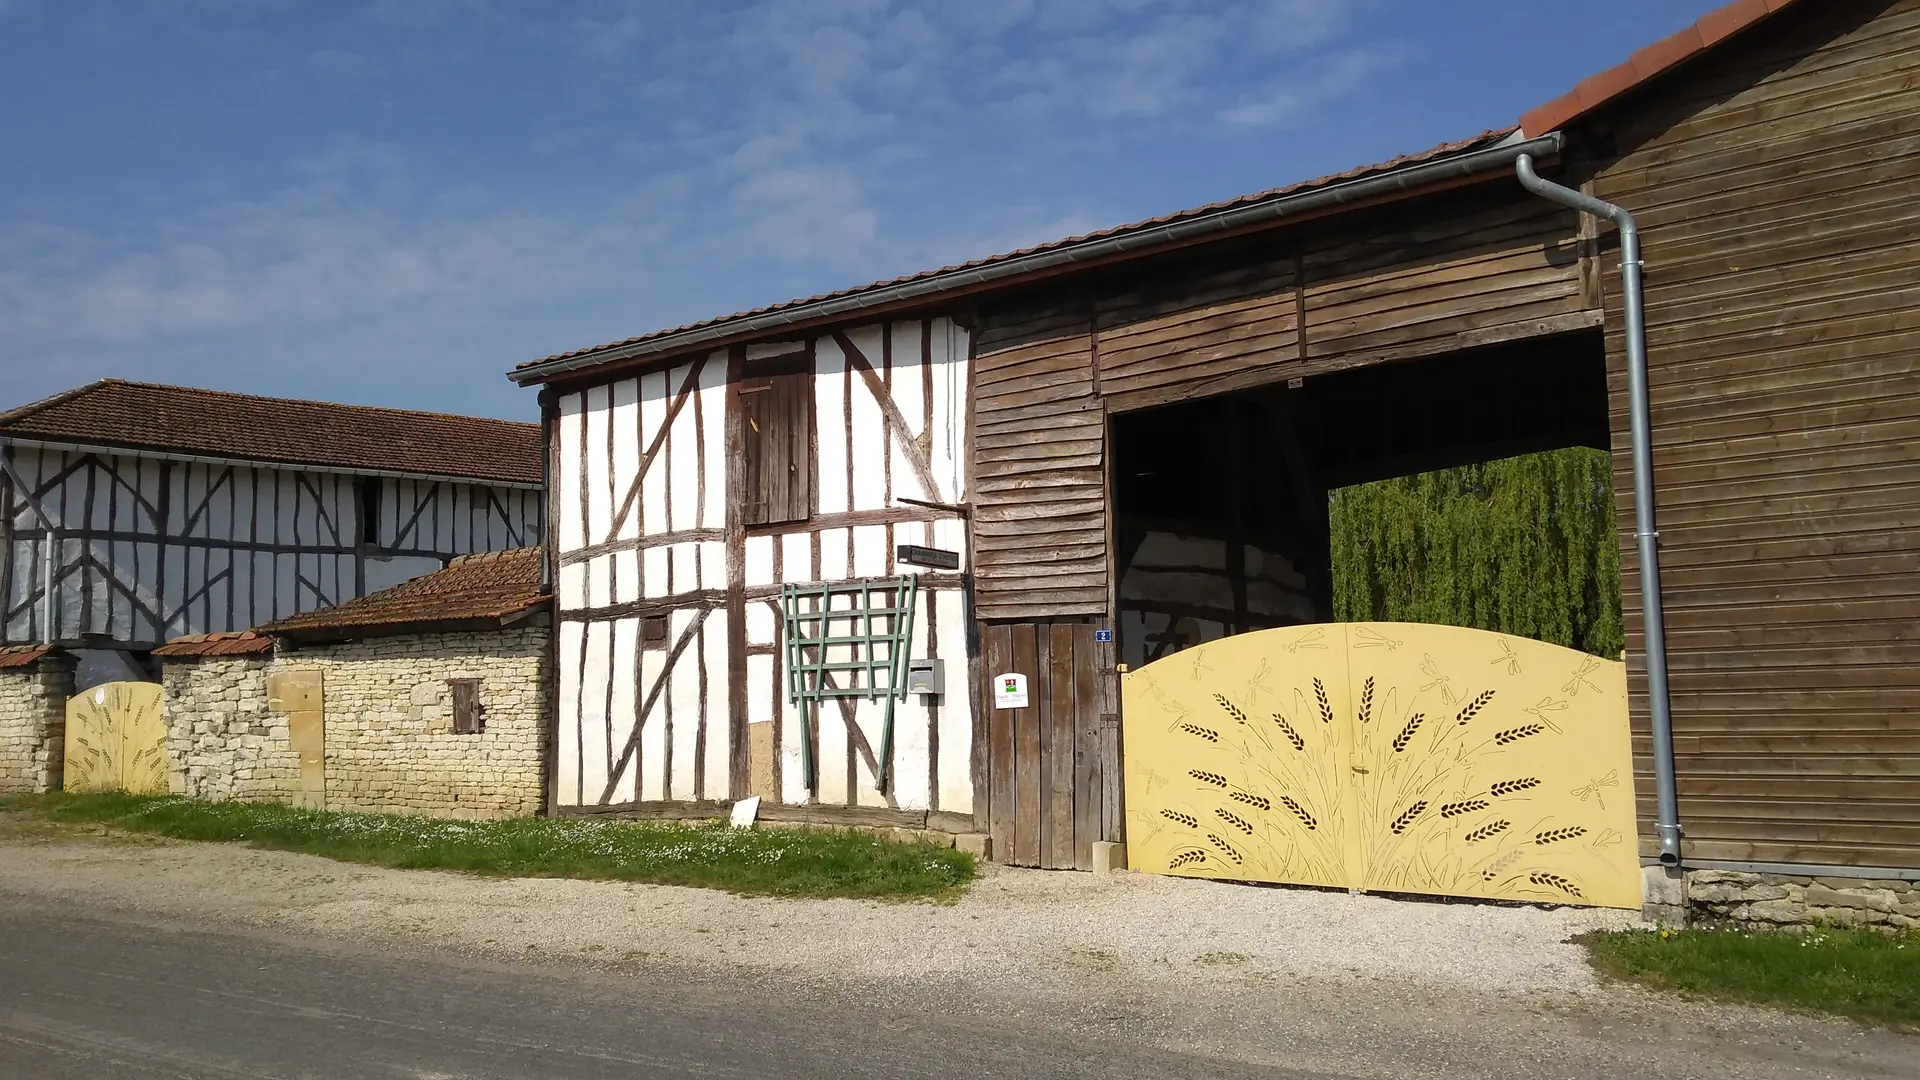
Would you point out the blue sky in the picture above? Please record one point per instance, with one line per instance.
(394, 201)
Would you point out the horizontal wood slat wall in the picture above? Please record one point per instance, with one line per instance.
(1775, 187)
(1039, 477)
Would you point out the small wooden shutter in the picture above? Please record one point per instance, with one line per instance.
(466, 706)
(777, 412)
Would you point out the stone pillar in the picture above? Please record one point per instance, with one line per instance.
(33, 724)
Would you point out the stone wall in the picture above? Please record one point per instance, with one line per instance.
(389, 717)
(222, 740)
(389, 738)
(1788, 901)
(1783, 900)
(33, 724)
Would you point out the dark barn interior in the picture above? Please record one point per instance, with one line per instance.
(1220, 504)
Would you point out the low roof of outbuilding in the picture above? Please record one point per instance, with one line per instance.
(472, 592)
(183, 420)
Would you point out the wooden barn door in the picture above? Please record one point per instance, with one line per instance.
(1053, 767)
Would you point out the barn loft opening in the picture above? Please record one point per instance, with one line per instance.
(1220, 504)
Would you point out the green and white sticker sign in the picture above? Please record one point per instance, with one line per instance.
(1010, 691)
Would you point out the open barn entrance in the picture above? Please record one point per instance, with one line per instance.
(1220, 504)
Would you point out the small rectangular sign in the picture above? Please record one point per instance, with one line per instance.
(1010, 691)
(934, 558)
(1103, 636)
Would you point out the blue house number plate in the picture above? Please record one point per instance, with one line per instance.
(1103, 635)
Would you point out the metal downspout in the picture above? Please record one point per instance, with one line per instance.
(46, 577)
(1646, 536)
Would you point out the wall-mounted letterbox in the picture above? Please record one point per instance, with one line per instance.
(926, 677)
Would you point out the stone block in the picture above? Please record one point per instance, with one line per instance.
(1822, 895)
(1735, 894)
(1664, 886)
(1723, 877)
(1774, 911)
(1665, 916)
(1108, 857)
(1838, 916)
(979, 845)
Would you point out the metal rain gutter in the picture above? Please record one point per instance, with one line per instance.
(1500, 156)
(1633, 285)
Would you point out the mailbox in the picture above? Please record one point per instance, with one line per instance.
(926, 677)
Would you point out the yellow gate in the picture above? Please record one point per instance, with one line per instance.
(117, 740)
(1385, 756)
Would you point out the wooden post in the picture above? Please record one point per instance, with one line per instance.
(736, 532)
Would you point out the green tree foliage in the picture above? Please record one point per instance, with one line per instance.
(1523, 546)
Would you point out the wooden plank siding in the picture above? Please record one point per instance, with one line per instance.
(1465, 269)
(1775, 184)
(1039, 451)
(1048, 777)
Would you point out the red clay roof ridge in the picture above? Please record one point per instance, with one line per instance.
(23, 411)
(1649, 63)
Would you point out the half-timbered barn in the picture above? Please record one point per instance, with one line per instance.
(1132, 434)
(161, 511)
(707, 506)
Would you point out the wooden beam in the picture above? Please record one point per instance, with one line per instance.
(688, 386)
(734, 423)
(640, 716)
(889, 409)
(641, 543)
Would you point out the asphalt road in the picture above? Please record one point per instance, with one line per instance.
(103, 999)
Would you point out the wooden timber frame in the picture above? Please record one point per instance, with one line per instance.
(689, 497)
(1770, 171)
(148, 546)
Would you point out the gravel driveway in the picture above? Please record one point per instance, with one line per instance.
(1288, 975)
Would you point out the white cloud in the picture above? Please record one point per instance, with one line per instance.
(706, 153)
(1287, 102)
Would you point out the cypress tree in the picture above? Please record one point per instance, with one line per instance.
(1524, 546)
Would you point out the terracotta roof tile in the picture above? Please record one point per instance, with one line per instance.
(196, 646)
(475, 588)
(1477, 142)
(21, 656)
(213, 423)
(1654, 60)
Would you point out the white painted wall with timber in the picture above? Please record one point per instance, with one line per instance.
(647, 528)
(148, 548)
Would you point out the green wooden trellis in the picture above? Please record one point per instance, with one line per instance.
(875, 666)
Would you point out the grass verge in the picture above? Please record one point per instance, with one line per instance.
(753, 862)
(1859, 974)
